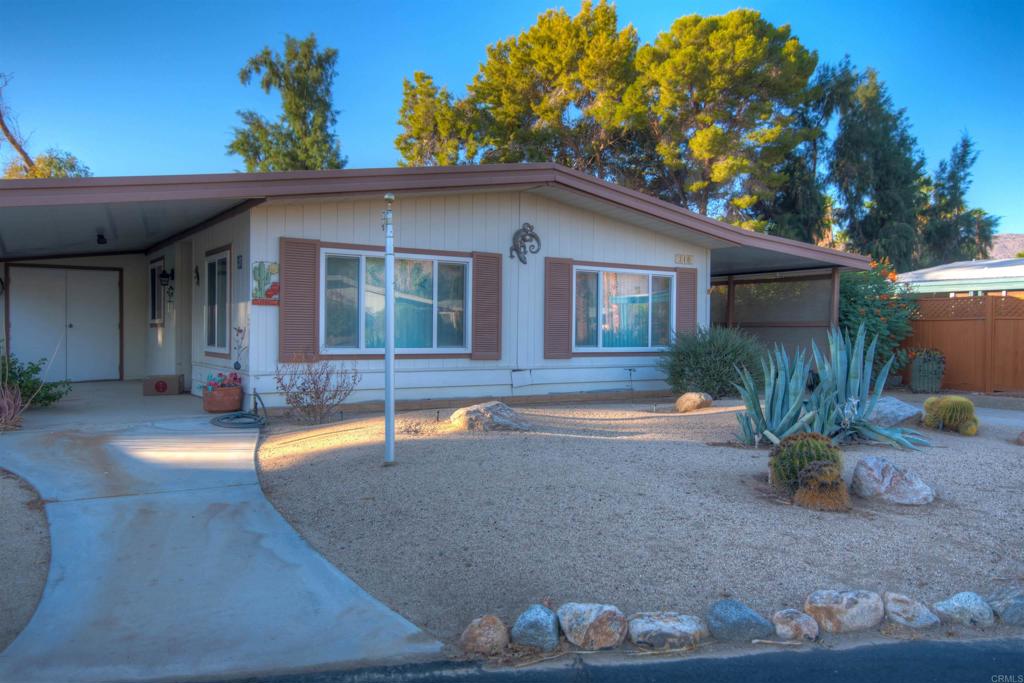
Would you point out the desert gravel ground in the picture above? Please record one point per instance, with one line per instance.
(645, 510)
(24, 554)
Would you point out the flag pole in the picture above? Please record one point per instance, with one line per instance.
(389, 331)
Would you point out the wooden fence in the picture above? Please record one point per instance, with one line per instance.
(982, 338)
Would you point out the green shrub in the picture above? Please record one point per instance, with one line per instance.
(794, 453)
(27, 377)
(876, 299)
(707, 360)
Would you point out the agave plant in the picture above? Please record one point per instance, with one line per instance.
(785, 381)
(844, 400)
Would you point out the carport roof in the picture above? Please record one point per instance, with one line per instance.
(61, 217)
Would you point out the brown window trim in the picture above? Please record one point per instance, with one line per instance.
(380, 356)
(226, 355)
(398, 250)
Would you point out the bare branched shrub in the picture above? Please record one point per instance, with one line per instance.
(11, 407)
(315, 389)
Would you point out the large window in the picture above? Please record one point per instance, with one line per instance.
(622, 310)
(431, 303)
(216, 304)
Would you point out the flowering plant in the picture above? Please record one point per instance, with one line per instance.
(220, 380)
(883, 304)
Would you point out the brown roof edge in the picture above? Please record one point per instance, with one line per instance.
(65, 191)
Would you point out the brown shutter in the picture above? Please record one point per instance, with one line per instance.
(486, 306)
(298, 333)
(686, 300)
(557, 308)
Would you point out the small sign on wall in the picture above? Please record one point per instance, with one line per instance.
(685, 259)
(266, 288)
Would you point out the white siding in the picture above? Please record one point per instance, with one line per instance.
(475, 222)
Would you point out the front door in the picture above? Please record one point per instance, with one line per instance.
(71, 318)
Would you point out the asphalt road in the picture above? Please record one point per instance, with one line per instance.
(990, 661)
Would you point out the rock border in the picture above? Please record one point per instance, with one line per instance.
(592, 627)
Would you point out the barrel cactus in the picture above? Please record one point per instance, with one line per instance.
(796, 452)
(821, 487)
(952, 413)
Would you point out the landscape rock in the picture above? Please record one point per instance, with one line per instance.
(792, 624)
(967, 608)
(905, 611)
(876, 477)
(845, 611)
(592, 626)
(693, 400)
(485, 636)
(732, 620)
(536, 627)
(1020, 439)
(666, 630)
(488, 417)
(1008, 605)
(891, 411)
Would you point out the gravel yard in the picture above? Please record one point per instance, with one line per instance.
(24, 554)
(616, 503)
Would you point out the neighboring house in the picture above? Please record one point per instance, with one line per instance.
(997, 277)
(120, 278)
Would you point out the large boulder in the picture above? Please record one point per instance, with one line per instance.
(1020, 439)
(488, 417)
(666, 630)
(969, 609)
(485, 636)
(536, 627)
(1008, 605)
(792, 624)
(732, 620)
(845, 611)
(905, 611)
(692, 400)
(891, 411)
(876, 477)
(592, 626)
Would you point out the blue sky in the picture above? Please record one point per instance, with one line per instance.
(148, 87)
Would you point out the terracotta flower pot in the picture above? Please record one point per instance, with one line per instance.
(222, 399)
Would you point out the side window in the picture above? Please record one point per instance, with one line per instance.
(217, 301)
(156, 292)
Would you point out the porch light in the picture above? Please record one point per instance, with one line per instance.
(166, 278)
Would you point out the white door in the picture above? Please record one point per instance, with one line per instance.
(69, 317)
(93, 318)
(38, 318)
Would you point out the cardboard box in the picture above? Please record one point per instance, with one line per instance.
(163, 385)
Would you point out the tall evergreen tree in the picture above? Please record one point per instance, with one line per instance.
(434, 130)
(877, 172)
(303, 136)
(950, 230)
(719, 95)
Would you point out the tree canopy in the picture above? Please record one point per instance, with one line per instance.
(730, 116)
(303, 136)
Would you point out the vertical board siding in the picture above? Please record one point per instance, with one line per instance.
(557, 308)
(486, 287)
(300, 282)
(686, 300)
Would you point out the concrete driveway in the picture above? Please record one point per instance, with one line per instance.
(168, 562)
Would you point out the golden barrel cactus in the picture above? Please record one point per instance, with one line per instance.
(952, 413)
(796, 452)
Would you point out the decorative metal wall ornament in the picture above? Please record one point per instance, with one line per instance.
(525, 240)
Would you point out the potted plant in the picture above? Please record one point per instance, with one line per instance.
(926, 369)
(222, 393)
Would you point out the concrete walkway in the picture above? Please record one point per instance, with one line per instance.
(168, 562)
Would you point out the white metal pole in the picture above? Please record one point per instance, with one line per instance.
(389, 332)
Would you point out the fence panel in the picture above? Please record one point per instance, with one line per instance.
(981, 337)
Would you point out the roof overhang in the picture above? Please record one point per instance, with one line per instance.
(53, 217)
